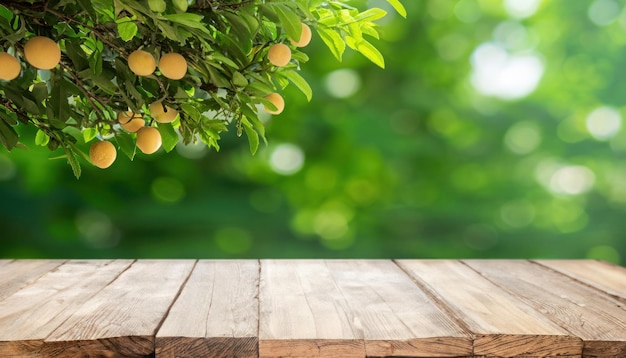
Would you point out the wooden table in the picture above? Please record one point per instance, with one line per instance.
(312, 308)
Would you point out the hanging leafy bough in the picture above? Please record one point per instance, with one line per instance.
(146, 74)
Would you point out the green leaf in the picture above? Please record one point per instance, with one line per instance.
(368, 50)
(169, 137)
(157, 5)
(8, 135)
(397, 5)
(89, 134)
(72, 159)
(370, 15)
(300, 82)
(253, 136)
(180, 5)
(9, 117)
(40, 91)
(253, 118)
(333, 41)
(369, 28)
(58, 102)
(41, 138)
(223, 59)
(95, 62)
(76, 54)
(87, 6)
(239, 26)
(239, 79)
(126, 143)
(259, 89)
(289, 20)
(191, 20)
(22, 100)
(190, 110)
(127, 30)
(6, 13)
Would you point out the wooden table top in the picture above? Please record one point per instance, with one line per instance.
(312, 308)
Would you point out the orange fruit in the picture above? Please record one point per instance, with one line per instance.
(102, 154)
(142, 63)
(173, 66)
(162, 114)
(279, 55)
(42, 53)
(9, 67)
(277, 100)
(148, 140)
(305, 37)
(131, 122)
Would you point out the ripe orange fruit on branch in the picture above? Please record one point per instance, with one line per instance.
(148, 140)
(9, 67)
(142, 63)
(102, 154)
(173, 66)
(305, 37)
(279, 54)
(277, 100)
(42, 53)
(161, 114)
(131, 122)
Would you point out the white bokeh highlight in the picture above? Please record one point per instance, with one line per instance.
(603, 12)
(521, 9)
(603, 123)
(572, 180)
(497, 73)
(286, 159)
(342, 83)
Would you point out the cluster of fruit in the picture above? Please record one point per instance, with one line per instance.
(45, 54)
(174, 66)
(40, 52)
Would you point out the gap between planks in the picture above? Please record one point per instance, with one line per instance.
(586, 281)
(167, 312)
(436, 300)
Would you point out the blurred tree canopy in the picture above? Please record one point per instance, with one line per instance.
(496, 130)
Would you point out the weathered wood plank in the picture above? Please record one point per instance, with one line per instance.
(351, 308)
(123, 318)
(601, 275)
(397, 318)
(502, 324)
(31, 314)
(15, 275)
(216, 314)
(596, 318)
(303, 313)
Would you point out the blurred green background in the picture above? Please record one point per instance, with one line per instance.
(496, 130)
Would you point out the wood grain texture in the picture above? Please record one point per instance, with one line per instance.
(303, 313)
(342, 307)
(123, 318)
(216, 314)
(596, 318)
(604, 276)
(502, 324)
(31, 314)
(312, 308)
(397, 318)
(15, 275)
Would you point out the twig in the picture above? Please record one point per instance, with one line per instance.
(90, 98)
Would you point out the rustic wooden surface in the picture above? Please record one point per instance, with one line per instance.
(216, 314)
(312, 308)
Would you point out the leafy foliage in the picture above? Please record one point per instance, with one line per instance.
(225, 44)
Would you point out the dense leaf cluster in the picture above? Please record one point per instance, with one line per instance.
(224, 42)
